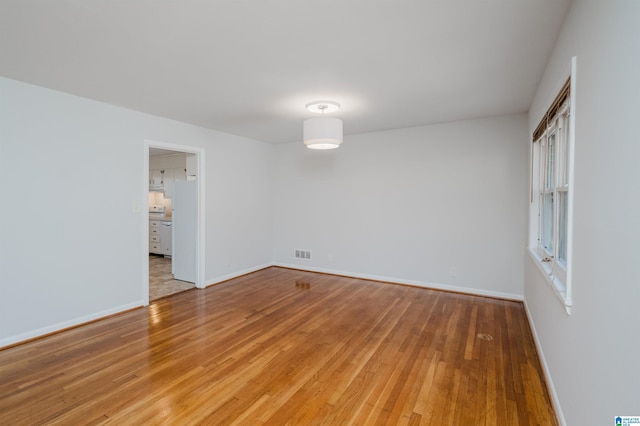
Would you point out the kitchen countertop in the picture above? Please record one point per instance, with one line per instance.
(161, 218)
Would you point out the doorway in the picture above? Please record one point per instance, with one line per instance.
(174, 219)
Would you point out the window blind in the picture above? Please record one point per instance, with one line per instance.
(553, 110)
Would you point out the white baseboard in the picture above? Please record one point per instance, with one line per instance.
(97, 315)
(87, 318)
(435, 286)
(236, 274)
(545, 368)
(67, 324)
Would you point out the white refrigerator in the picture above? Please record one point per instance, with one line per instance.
(184, 215)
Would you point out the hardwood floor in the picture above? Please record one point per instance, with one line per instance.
(161, 281)
(286, 347)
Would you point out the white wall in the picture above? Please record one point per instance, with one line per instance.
(64, 259)
(593, 354)
(407, 205)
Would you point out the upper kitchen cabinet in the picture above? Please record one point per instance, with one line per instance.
(155, 180)
(166, 169)
(191, 166)
(180, 174)
(170, 176)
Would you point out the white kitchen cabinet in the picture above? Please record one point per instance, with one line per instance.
(154, 237)
(170, 176)
(167, 182)
(165, 238)
(164, 170)
(155, 180)
(160, 237)
(191, 166)
(179, 174)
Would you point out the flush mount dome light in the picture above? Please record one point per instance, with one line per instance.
(322, 132)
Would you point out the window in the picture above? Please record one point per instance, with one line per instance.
(551, 192)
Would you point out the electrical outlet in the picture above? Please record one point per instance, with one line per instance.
(452, 271)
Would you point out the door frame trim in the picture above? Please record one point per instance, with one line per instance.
(200, 211)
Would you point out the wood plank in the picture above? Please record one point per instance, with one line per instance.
(282, 346)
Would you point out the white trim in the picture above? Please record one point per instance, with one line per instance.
(237, 274)
(558, 277)
(98, 315)
(67, 324)
(571, 183)
(200, 221)
(200, 230)
(392, 280)
(555, 400)
(547, 272)
(144, 218)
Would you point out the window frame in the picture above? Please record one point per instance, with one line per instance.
(559, 126)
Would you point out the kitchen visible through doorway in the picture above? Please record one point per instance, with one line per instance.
(168, 253)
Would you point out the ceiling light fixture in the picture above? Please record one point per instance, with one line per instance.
(322, 132)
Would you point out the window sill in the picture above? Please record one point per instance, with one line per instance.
(559, 287)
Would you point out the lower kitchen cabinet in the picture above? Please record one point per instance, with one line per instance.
(165, 238)
(160, 237)
(154, 237)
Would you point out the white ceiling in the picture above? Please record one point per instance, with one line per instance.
(248, 67)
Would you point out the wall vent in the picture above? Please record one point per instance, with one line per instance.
(302, 254)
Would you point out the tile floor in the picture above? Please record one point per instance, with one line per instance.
(161, 281)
